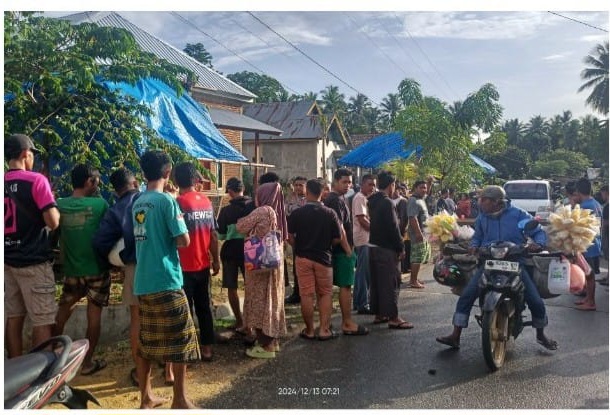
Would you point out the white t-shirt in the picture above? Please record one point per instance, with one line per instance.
(359, 207)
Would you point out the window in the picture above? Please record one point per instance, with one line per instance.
(526, 191)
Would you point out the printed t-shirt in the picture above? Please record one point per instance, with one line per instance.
(79, 219)
(26, 238)
(157, 221)
(200, 222)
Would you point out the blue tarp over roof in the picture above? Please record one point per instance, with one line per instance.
(179, 120)
(390, 147)
(379, 150)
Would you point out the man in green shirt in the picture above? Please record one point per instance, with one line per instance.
(80, 218)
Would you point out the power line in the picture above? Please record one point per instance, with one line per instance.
(407, 54)
(375, 44)
(578, 21)
(428, 59)
(187, 21)
(310, 58)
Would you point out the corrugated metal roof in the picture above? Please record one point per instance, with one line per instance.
(207, 78)
(290, 117)
(232, 120)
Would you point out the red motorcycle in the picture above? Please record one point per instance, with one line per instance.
(41, 377)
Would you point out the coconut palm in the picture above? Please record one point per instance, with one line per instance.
(596, 77)
(390, 106)
(515, 130)
(332, 100)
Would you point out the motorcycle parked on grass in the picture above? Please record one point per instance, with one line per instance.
(41, 377)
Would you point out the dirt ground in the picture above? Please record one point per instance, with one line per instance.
(112, 386)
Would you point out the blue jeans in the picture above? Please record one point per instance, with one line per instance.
(471, 293)
(362, 278)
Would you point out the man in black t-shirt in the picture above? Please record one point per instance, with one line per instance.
(344, 261)
(312, 230)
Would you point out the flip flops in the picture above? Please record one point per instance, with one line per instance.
(403, 325)
(331, 336)
(448, 341)
(98, 364)
(360, 331)
(547, 343)
(381, 320)
(305, 336)
(585, 307)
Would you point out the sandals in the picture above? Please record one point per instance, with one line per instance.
(381, 320)
(331, 336)
(449, 341)
(547, 343)
(98, 364)
(258, 352)
(403, 325)
(360, 331)
(305, 336)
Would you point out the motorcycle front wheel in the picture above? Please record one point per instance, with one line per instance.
(494, 338)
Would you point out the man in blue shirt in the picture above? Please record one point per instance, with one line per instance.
(498, 221)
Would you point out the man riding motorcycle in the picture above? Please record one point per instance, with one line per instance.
(498, 221)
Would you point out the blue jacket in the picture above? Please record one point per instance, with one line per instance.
(488, 229)
(116, 224)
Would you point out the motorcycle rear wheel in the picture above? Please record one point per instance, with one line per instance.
(494, 338)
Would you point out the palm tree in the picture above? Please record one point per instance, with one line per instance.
(390, 106)
(596, 77)
(310, 96)
(355, 111)
(537, 140)
(333, 101)
(372, 118)
(515, 131)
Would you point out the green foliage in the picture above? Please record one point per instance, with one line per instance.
(198, 52)
(549, 168)
(576, 163)
(50, 72)
(266, 88)
(596, 77)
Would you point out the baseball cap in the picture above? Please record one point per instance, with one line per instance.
(234, 184)
(493, 192)
(16, 143)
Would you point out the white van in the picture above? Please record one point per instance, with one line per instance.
(533, 196)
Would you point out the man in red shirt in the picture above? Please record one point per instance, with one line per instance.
(195, 258)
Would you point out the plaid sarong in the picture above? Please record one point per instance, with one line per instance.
(420, 252)
(167, 331)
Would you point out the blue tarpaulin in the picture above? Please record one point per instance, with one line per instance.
(379, 150)
(389, 147)
(179, 120)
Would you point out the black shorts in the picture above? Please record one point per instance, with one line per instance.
(230, 272)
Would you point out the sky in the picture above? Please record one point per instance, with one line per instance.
(534, 58)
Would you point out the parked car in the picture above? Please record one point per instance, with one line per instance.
(533, 196)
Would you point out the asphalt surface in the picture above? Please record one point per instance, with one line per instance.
(408, 369)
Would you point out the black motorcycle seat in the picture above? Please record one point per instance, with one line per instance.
(451, 249)
(21, 371)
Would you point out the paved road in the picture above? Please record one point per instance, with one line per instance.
(408, 369)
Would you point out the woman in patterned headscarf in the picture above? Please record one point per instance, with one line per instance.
(264, 289)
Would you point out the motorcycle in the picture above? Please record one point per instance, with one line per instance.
(501, 298)
(41, 377)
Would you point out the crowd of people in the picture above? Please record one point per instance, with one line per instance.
(170, 248)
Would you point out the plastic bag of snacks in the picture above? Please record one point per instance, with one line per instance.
(572, 231)
(442, 227)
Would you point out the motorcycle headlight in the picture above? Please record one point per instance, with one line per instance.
(499, 252)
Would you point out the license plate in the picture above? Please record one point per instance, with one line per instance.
(495, 265)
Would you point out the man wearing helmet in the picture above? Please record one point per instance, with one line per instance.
(497, 221)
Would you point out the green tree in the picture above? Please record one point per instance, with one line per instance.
(333, 101)
(372, 120)
(390, 106)
(577, 162)
(537, 140)
(266, 88)
(480, 109)
(596, 77)
(515, 131)
(51, 69)
(198, 52)
(549, 168)
(410, 92)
